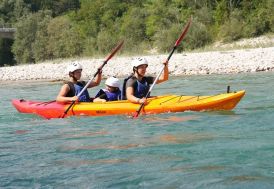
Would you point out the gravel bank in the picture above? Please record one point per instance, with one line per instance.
(216, 62)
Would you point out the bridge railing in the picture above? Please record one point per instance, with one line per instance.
(7, 31)
(5, 25)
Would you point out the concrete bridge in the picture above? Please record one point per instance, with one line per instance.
(7, 32)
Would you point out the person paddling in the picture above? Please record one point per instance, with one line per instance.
(136, 86)
(111, 92)
(71, 88)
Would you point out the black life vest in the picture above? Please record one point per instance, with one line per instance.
(75, 89)
(140, 90)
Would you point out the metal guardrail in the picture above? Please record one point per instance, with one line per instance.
(7, 31)
(5, 25)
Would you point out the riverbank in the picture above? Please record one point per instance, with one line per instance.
(190, 63)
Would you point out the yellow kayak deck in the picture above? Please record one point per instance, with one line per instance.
(160, 104)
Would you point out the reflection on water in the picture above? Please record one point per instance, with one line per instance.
(20, 132)
(85, 134)
(186, 138)
(77, 163)
(170, 118)
(250, 179)
(144, 142)
(198, 169)
(101, 147)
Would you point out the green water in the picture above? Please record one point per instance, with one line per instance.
(230, 149)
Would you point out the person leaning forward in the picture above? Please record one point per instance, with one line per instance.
(73, 87)
(136, 86)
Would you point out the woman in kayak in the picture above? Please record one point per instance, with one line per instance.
(73, 87)
(136, 86)
(111, 92)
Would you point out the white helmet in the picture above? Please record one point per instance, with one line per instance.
(74, 66)
(139, 61)
(112, 82)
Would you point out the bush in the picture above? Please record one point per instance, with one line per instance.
(25, 37)
(133, 29)
(41, 40)
(90, 46)
(106, 40)
(198, 36)
(165, 38)
(232, 29)
(63, 39)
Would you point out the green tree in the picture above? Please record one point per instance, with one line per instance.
(58, 7)
(161, 14)
(133, 29)
(25, 36)
(40, 44)
(12, 10)
(63, 39)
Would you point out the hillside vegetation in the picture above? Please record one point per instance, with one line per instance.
(71, 28)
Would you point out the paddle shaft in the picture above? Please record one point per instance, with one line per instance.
(99, 69)
(159, 74)
(154, 82)
(81, 92)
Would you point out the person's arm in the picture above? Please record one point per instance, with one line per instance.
(62, 95)
(101, 98)
(132, 98)
(97, 80)
(164, 75)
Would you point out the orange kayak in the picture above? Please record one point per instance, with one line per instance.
(156, 105)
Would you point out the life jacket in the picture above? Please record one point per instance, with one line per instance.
(140, 91)
(75, 89)
(111, 96)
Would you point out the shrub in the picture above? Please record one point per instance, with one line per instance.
(232, 29)
(63, 39)
(25, 37)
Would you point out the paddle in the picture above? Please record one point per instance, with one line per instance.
(171, 53)
(113, 52)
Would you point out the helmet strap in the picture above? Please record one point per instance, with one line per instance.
(71, 74)
(135, 70)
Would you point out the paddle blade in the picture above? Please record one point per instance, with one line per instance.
(138, 111)
(135, 115)
(183, 33)
(65, 113)
(113, 52)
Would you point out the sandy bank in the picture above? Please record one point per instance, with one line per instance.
(216, 62)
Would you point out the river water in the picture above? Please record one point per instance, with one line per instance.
(225, 149)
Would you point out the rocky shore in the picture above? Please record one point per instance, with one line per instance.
(215, 62)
